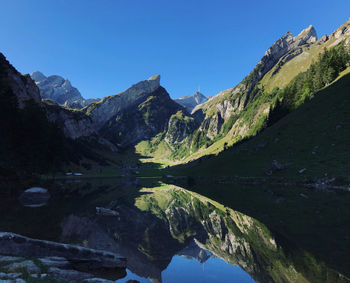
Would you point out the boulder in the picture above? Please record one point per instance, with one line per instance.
(55, 261)
(68, 275)
(17, 245)
(34, 197)
(29, 265)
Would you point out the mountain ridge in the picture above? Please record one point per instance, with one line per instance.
(60, 90)
(191, 101)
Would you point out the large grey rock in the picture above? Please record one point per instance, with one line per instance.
(55, 261)
(68, 275)
(34, 197)
(27, 264)
(10, 275)
(17, 245)
(5, 258)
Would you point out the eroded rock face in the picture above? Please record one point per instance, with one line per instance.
(75, 124)
(282, 46)
(60, 90)
(233, 101)
(143, 119)
(17, 245)
(56, 88)
(180, 126)
(110, 106)
(21, 85)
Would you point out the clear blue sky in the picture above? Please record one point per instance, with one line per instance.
(104, 46)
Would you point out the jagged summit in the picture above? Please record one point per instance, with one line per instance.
(155, 78)
(60, 90)
(112, 105)
(56, 88)
(307, 35)
(191, 101)
(38, 76)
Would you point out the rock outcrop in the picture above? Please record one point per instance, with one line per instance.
(191, 101)
(17, 245)
(22, 86)
(139, 119)
(60, 90)
(74, 124)
(287, 43)
(110, 106)
(180, 126)
(230, 103)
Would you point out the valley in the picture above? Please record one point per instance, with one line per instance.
(252, 183)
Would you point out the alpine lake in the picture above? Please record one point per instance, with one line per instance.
(205, 232)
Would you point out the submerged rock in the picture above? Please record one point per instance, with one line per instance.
(34, 197)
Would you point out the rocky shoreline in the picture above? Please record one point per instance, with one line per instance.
(23, 259)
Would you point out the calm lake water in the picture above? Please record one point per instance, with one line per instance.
(167, 233)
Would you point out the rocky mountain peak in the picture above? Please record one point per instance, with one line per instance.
(112, 105)
(38, 76)
(191, 101)
(307, 35)
(285, 44)
(58, 89)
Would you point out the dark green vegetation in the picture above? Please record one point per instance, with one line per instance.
(28, 141)
(329, 65)
(315, 136)
(265, 108)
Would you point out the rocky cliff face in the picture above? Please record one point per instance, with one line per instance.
(74, 124)
(228, 104)
(60, 90)
(22, 86)
(180, 126)
(141, 119)
(110, 106)
(190, 102)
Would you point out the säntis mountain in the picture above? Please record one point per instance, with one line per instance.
(191, 101)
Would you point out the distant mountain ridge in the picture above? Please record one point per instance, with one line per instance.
(60, 90)
(191, 101)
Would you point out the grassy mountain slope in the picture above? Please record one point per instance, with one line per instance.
(286, 69)
(316, 136)
(242, 112)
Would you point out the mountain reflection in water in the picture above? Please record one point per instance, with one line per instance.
(167, 233)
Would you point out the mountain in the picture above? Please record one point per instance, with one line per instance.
(191, 101)
(60, 90)
(138, 113)
(37, 135)
(243, 111)
(306, 143)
